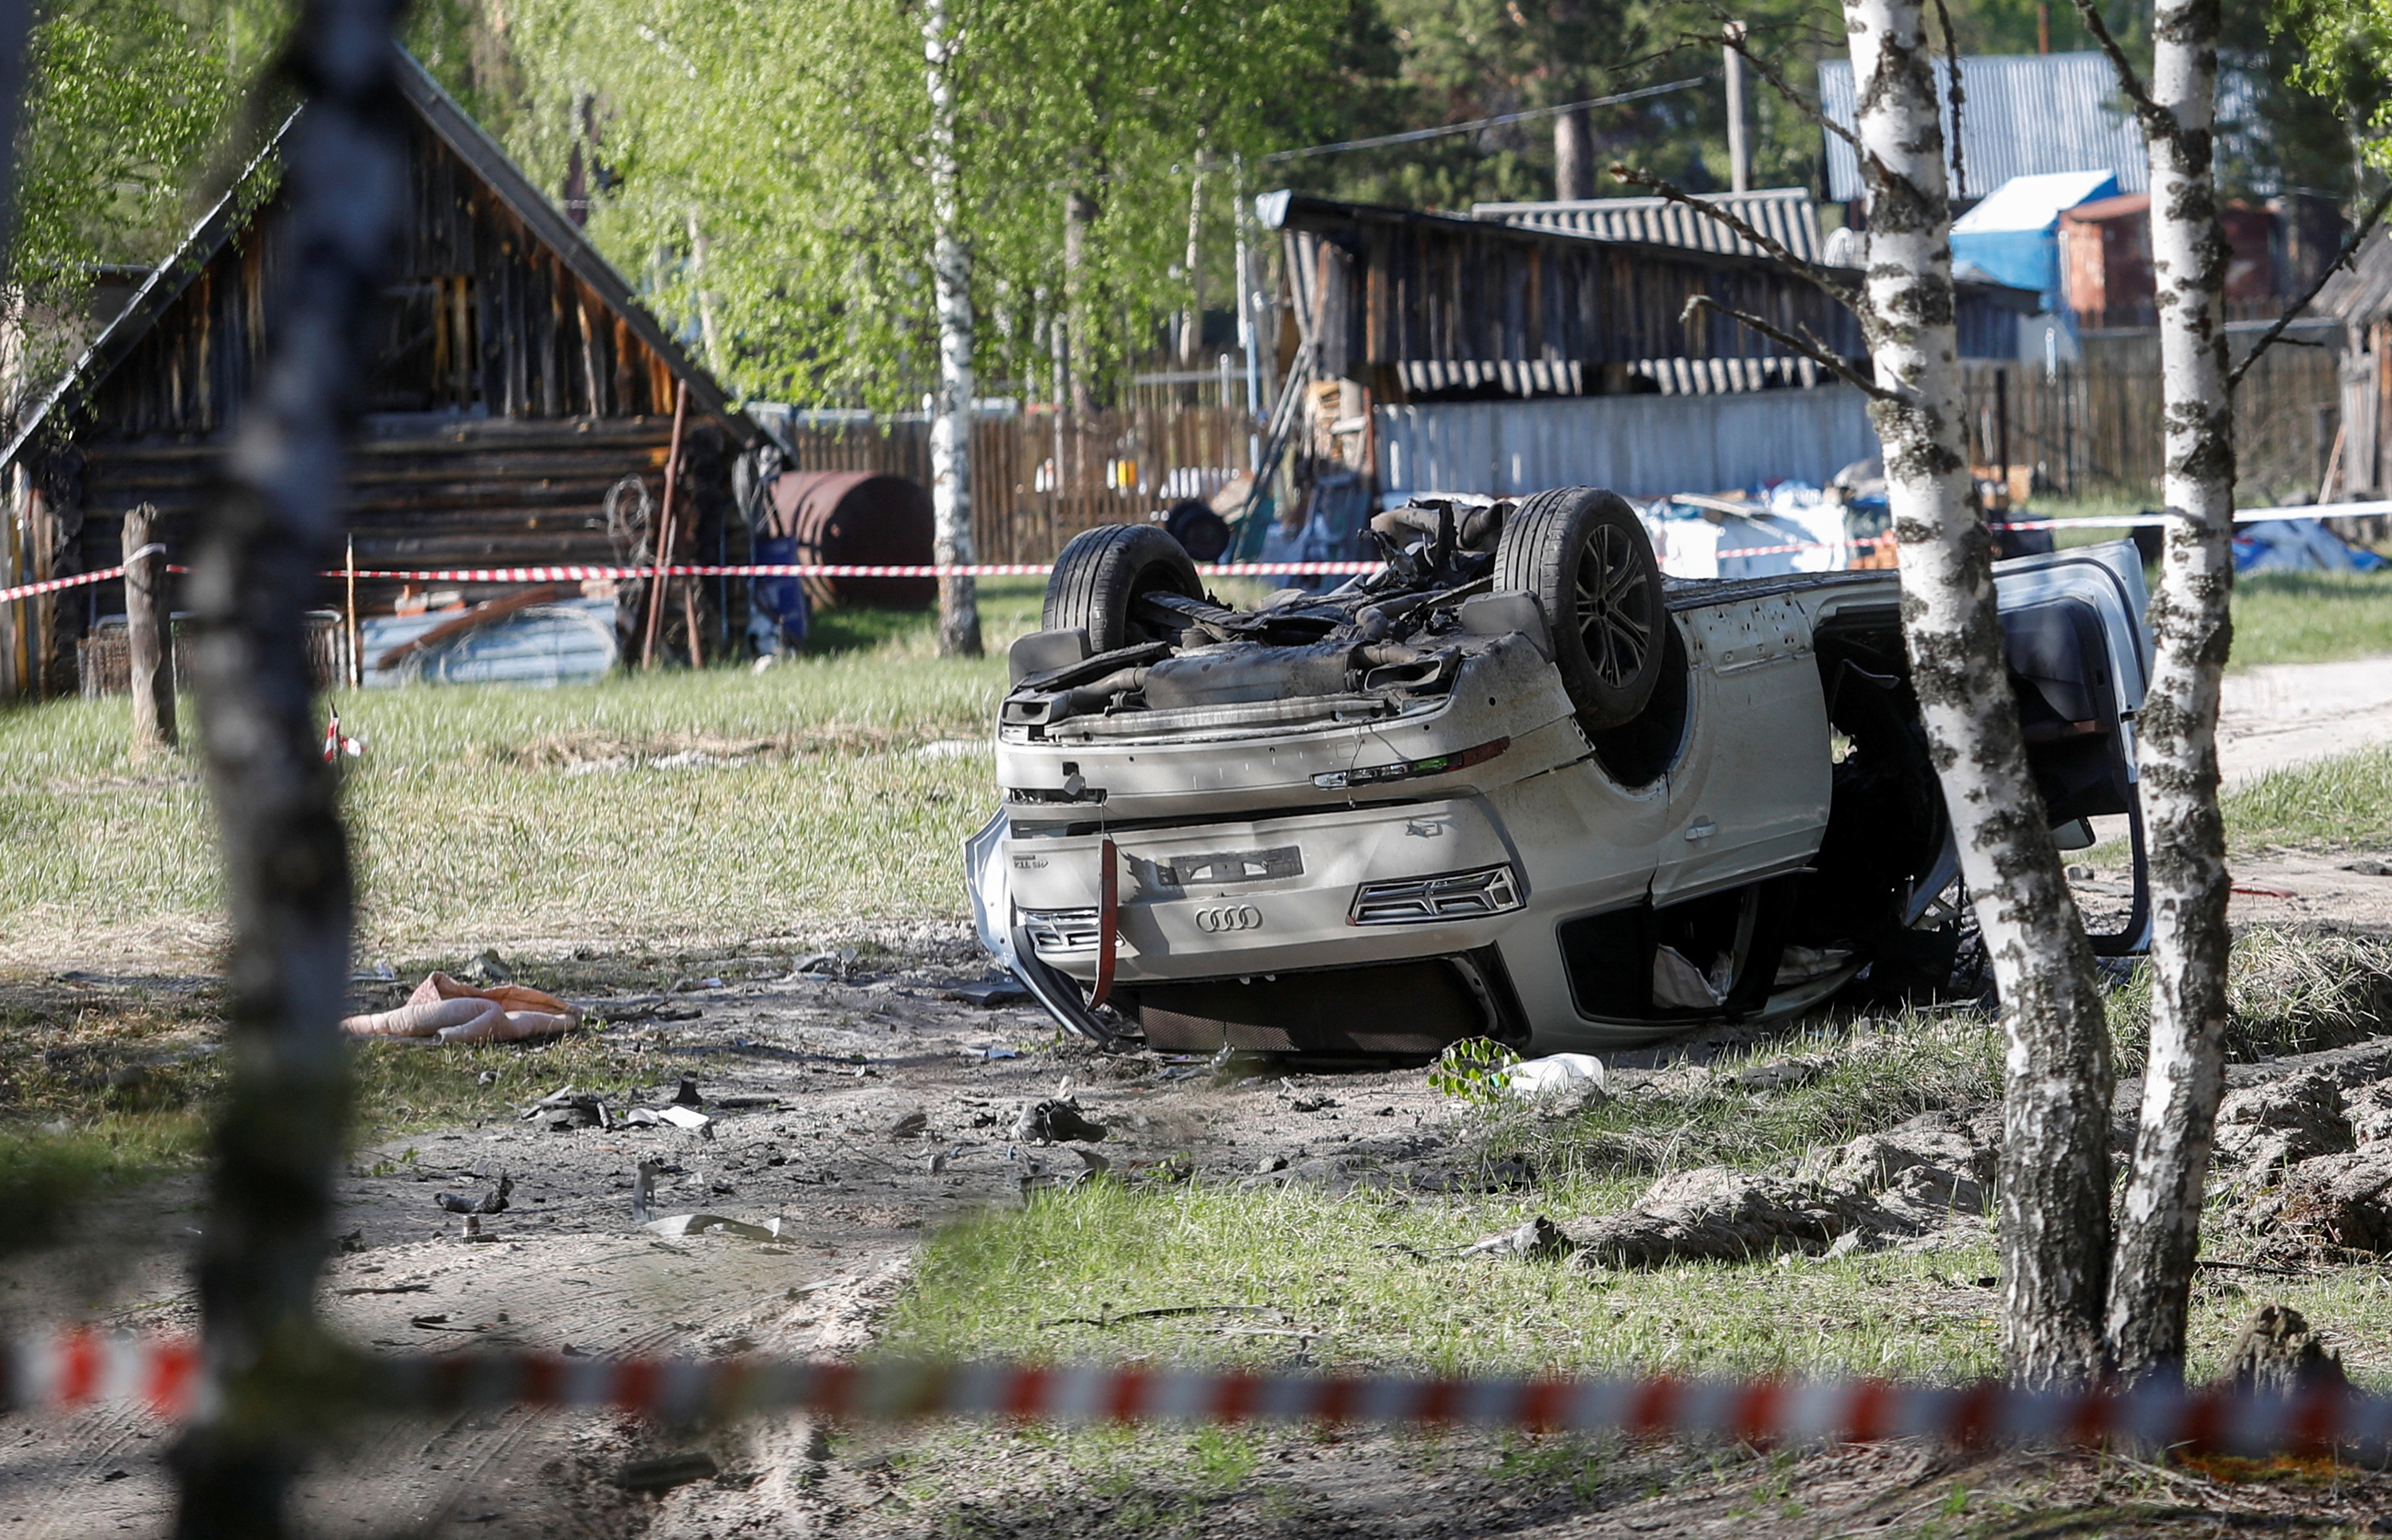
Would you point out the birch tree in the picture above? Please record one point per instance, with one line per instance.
(2055, 1211)
(2159, 1227)
(950, 489)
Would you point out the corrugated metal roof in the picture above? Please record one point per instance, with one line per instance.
(1784, 214)
(2025, 114)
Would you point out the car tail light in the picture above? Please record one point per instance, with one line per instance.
(1451, 895)
(1062, 929)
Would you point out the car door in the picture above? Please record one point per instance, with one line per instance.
(2072, 634)
(1748, 798)
(2079, 660)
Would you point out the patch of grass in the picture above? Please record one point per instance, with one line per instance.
(402, 1089)
(483, 813)
(992, 1285)
(2337, 804)
(2311, 618)
(1881, 1074)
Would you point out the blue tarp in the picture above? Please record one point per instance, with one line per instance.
(2014, 235)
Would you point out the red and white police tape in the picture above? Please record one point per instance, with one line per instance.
(69, 1371)
(1039, 569)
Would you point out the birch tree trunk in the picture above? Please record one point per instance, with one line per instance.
(1191, 322)
(2055, 1212)
(1079, 213)
(2160, 1225)
(951, 422)
(710, 336)
(274, 524)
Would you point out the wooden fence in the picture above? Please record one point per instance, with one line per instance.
(1042, 476)
(2095, 427)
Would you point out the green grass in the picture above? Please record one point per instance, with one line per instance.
(2311, 618)
(1325, 1264)
(1347, 1271)
(2279, 616)
(481, 814)
(2344, 803)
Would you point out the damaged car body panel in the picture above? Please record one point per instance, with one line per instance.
(1516, 785)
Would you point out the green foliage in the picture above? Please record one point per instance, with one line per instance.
(1473, 1070)
(793, 139)
(134, 118)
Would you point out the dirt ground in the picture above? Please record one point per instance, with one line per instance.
(862, 1105)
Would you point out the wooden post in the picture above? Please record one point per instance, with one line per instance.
(357, 669)
(2002, 423)
(665, 529)
(148, 642)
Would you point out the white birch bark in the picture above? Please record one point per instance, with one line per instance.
(700, 264)
(1191, 322)
(950, 418)
(2055, 1214)
(2160, 1224)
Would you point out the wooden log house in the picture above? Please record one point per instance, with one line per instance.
(517, 383)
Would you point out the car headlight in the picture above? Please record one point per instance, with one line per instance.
(1448, 896)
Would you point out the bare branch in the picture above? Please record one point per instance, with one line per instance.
(1825, 278)
(1952, 60)
(1805, 345)
(2156, 120)
(2342, 259)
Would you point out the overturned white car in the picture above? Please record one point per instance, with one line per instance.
(1516, 784)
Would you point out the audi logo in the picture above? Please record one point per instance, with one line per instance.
(1229, 917)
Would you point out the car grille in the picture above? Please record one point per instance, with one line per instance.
(1061, 929)
(1453, 895)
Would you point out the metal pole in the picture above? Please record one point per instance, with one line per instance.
(1739, 153)
(279, 1138)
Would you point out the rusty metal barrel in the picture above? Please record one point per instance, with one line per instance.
(857, 518)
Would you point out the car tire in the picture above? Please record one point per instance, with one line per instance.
(1582, 551)
(1204, 533)
(1101, 574)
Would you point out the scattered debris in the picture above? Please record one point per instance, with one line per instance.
(988, 995)
(491, 1202)
(490, 969)
(568, 1108)
(2370, 868)
(910, 1126)
(672, 1225)
(643, 1191)
(834, 965)
(682, 1116)
(1780, 1075)
(686, 1094)
(1558, 1082)
(1537, 1238)
(664, 1472)
(1055, 1120)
